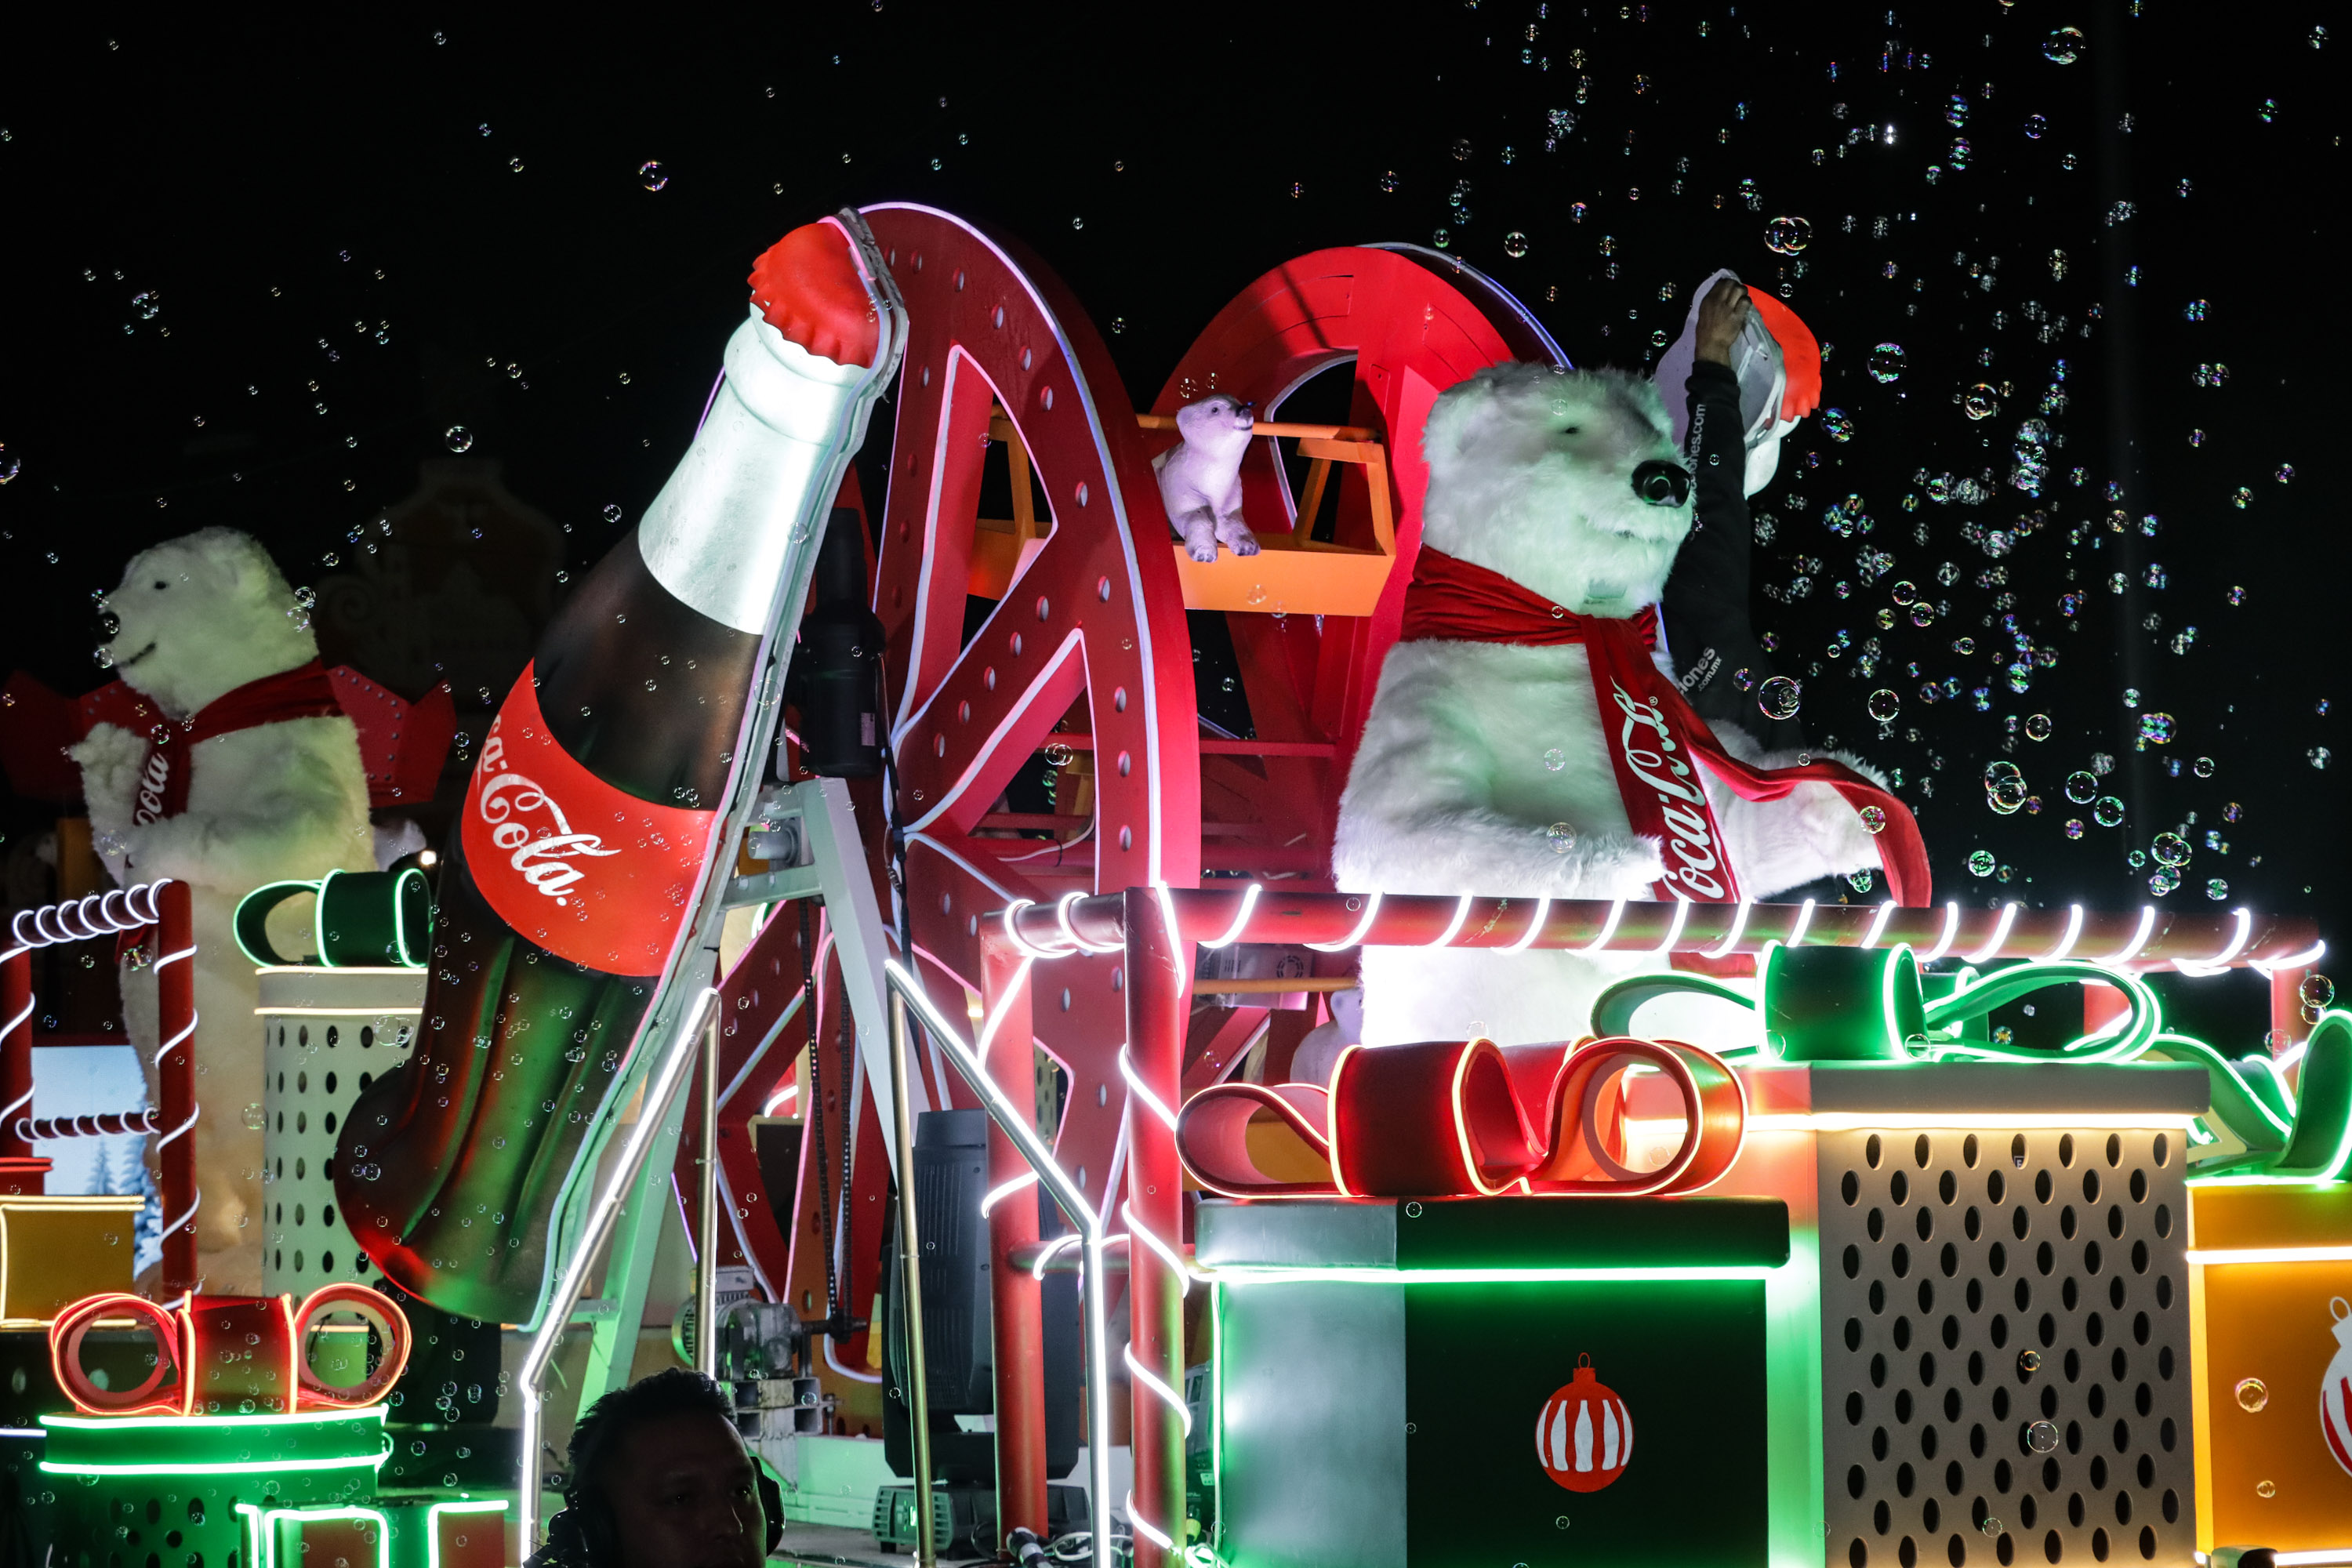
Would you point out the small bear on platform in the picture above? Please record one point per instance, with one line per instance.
(1200, 476)
(1526, 739)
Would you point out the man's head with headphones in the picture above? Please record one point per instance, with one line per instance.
(658, 1479)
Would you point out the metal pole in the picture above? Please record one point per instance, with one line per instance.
(706, 1257)
(667, 1079)
(16, 1051)
(176, 1074)
(1022, 1129)
(911, 1272)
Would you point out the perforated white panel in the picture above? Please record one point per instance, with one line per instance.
(1975, 1285)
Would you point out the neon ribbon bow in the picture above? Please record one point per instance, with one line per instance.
(1828, 1004)
(1463, 1119)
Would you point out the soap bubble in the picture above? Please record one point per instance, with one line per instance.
(652, 175)
(1560, 837)
(1873, 819)
(9, 464)
(1837, 425)
(1886, 363)
(1462, 151)
(1980, 401)
(2254, 1396)
(612, 512)
(2163, 880)
(2110, 812)
(2316, 991)
(2063, 47)
(2005, 786)
(2202, 767)
(1779, 698)
(2320, 756)
(2217, 890)
(2170, 850)
(2156, 728)
(2037, 727)
(254, 1117)
(457, 438)
(1883, 705)
(2073, 828)
(1555, 760)
(1389, 182)
(2035, 125)
(1981, 862)
(2102, 764)
(1515, 243)
(1788, 236)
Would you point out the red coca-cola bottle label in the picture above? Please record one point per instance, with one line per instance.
(587, 872)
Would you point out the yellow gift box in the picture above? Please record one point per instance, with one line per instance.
(2270, 1299)
(56, 1250)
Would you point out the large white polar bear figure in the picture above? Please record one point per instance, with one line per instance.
(1486, 765)
(270, 787)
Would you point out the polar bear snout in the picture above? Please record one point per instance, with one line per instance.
(1662, 484)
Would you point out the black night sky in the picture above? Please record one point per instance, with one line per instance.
(253, 273)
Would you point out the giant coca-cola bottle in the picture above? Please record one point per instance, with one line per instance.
(586, 830)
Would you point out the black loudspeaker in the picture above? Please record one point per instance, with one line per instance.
(951, 1178)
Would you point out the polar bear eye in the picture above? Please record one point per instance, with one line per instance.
(160, 587)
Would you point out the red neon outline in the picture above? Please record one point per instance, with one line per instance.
(68, 1331)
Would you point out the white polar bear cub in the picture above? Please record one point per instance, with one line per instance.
(200, 617)
(1484, 768)
(1200, 476)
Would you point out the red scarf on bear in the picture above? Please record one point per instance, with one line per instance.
(1452, 600)
(300, 693)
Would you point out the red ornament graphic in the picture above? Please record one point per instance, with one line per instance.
(2335, 1389)
(1584, 1438)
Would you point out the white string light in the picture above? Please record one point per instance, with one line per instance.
(1062, 918)
(1142, 1092)
(2220, 961)
(1675, 930)
(1149, 1379)
(1991, 949)
(1052, 1250)
(1452, 927)
(997, 1194)
(1356, 937)
(1233, 932)
(1804, 918)
(1608, 927)
(1145, 1528)
(2139, 938)
(1167, 1254)
(1525, 938)
(2309, 955)
(1878, 925)
(1943, 943)
(1022, 944)
(1731, 938)
(2066, 943)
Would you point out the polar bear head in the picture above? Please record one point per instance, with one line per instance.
(1219, 423)
(1566, 481)
(202, 615)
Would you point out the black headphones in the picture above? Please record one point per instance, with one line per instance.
(583, 1534)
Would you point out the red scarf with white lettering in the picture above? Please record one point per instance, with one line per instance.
(300, 693)
(1658, 742)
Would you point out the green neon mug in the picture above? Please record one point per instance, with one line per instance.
(1874, 1004)
(361, 920)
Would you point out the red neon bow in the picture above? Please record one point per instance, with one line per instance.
(203, 1362)
(1655, 741)
(1462, 1119)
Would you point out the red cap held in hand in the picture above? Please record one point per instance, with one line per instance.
(807, 285)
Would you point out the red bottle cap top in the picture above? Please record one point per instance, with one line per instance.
(806, 284)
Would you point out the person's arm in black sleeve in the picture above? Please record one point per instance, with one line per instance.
(1708, 626)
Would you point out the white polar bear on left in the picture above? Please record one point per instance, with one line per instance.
(201, 617)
